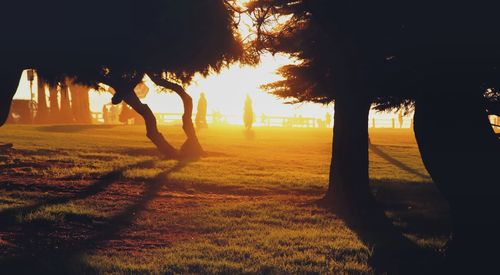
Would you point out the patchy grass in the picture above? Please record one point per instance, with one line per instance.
(99, 199)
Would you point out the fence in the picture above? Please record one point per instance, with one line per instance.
(270, 121)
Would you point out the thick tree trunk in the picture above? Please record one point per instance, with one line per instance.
(42, 114)
(75, 103)
(191, 147)
(461, 155)
(85, 114)
(349, 183)
(65, 114)
(54, 104)
(9, 80)
(80, 103)
(126, 92)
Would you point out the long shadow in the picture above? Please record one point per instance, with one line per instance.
(391, 251)
(69, 260)
(72, 128)
(127, 215)
(417, 207)
(8, 216)
(375, 149)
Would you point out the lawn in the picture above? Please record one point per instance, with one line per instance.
(99, 199)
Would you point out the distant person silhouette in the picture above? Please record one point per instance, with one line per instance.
(400, 118)
(115, 111)
(248, 113)
(105, 114)
(201, 114)
(328, 119)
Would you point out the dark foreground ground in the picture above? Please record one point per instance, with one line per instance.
(98, 199)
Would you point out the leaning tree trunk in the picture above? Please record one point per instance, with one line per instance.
(192, 146)
(9, 79)
(349, 184)
(125, 90)
(42, 114)
(461, 155)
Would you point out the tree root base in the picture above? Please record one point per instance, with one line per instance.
(169, 153)
(167, 150)
(191, 149)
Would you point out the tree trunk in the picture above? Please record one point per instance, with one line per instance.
(349, 184)
(65, 113)
(8, 84)
(54, 104)
(42, 114)
(191, 147)
(86, 116)
(80, 103)
(126, 90)
(461, 155)
(75, 102)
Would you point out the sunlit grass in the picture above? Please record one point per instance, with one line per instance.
(247, 207)
(58, 213)
(254, 237)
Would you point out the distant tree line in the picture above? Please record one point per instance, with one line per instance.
(73, 106)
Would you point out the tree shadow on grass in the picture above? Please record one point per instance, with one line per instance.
(60, 249)
(136, 152)
(391, 251)
(376, 150)
(416, 208)
(72, 128)
(8, 215)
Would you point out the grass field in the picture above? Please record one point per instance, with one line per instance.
(99, 199)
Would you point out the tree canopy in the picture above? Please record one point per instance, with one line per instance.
(85, 39)
(386, 50)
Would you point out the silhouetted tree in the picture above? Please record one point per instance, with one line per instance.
(80, 104)
(201, 113)
(328, 119)
(54, 104)
(327, 73)
(75, 102)
(166, 39)
(42, 114)
(211, 36)
(393, 54)
(65, 113)
(248, 113)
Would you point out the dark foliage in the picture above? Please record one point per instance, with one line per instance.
(443, 56)
(88, 39)
(387, 50)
